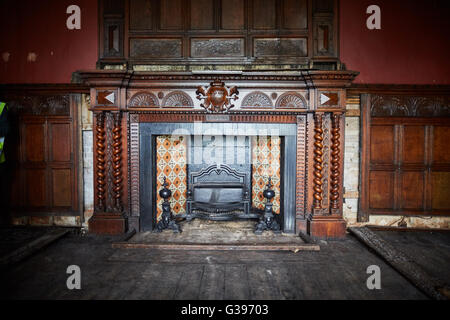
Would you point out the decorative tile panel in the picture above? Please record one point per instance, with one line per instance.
(266, 155)
(171, 159)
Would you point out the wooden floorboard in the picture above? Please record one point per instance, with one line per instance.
(337, 271)
(236, 285)
(212, 285)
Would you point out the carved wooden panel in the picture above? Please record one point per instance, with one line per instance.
(143, 99)
(155, 48)
(409, 106)
(301, 167)
(291, 100)
(177, 99)
(209, 48)
(279, 47)
(256, 99)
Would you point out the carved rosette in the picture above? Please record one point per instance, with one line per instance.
(256, 99)
(143, 99)
(291, 100)
(318, 163)
(117, 160)
(177, 99)
(217, 98)
(335, 159)
(100, 150)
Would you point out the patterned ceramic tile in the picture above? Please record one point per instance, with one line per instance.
(266, 152)
(171, 163)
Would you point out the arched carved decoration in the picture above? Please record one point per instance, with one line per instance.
(256, 99)
(177, 99)
(291, 100)
(143, 99)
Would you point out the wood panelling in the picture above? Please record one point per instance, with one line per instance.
(441, 140)
(141, 14)
(60, 134)
(61, 187)
(144, 30)
(34, 188)
(413, 144)
(202, 15)
(33, 143)
(381, 186)
(172, 14)
(43, 151)
(382, 144)
(405, 155)
(295, 14)
(440, 184)
(264, 14)
(232, 15)
(412, 190)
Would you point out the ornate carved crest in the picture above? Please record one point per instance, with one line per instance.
(217, 98)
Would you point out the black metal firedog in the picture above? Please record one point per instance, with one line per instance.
(167, 221)
(268, 222)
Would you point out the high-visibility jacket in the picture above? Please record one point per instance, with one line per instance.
(3, 108)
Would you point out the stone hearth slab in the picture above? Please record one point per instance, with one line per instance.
(217, 235)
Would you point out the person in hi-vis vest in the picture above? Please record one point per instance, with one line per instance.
(4, 172)
(4, 127)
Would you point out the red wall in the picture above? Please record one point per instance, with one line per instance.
(412, 47)
(39, 26)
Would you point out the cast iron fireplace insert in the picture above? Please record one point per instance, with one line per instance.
(218, 192)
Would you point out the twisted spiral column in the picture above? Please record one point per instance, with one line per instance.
(117, 160)
(100, 143)
(318, 162)
(335, 159)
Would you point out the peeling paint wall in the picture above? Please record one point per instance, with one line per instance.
(37, 47)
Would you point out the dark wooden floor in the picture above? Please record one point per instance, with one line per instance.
(338, 271)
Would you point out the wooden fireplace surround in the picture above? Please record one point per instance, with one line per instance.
(313, 100)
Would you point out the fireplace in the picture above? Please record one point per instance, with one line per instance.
(304, 111)
(208, 162)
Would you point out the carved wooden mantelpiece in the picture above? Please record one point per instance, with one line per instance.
(314, 101)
